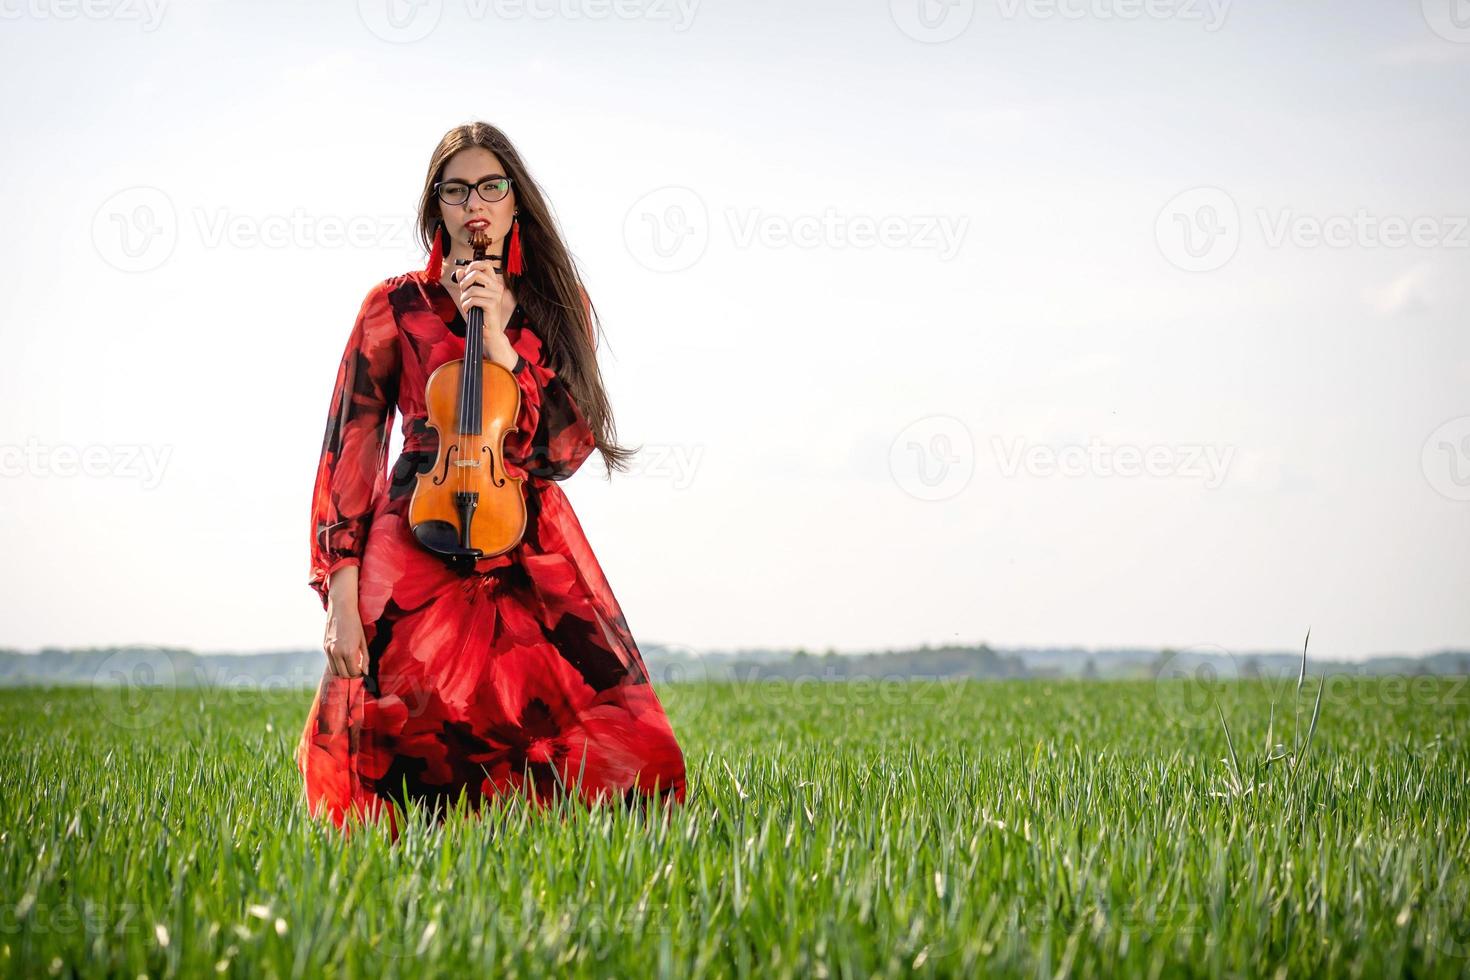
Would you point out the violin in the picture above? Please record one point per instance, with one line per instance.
(467, 506)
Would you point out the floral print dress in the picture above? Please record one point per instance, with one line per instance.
(515, 674)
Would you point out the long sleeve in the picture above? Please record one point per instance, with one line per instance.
(352, 471)
(553, 437)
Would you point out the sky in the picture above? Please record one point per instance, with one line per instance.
(1028, 322)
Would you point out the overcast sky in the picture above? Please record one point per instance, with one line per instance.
(1096, 322)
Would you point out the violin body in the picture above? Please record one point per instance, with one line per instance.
(467, 505)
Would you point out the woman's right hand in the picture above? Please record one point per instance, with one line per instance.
(344, 643)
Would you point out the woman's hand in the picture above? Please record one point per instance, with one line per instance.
(345, 643)
(481, 286)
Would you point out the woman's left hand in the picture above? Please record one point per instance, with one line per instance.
(480, 285)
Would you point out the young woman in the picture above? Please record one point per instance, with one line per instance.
(517, 674)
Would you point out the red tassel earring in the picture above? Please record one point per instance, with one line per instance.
(514, 262)
(435, 269)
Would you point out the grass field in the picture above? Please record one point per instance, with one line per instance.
(1027, 828)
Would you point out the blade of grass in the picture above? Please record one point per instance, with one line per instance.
(1316, 710)
(1230, 742)
(1296, 707)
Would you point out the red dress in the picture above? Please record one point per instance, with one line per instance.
(515, 674)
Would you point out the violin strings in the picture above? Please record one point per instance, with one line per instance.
(471, 394)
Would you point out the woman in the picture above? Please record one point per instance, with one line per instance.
(517, 673)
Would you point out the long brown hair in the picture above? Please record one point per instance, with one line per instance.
(550, 289)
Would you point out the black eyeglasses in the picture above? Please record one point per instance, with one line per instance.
(490, 189)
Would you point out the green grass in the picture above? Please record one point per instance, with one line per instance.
(1027, 828)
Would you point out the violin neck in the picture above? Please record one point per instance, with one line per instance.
(474, 335)
(472, 378)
